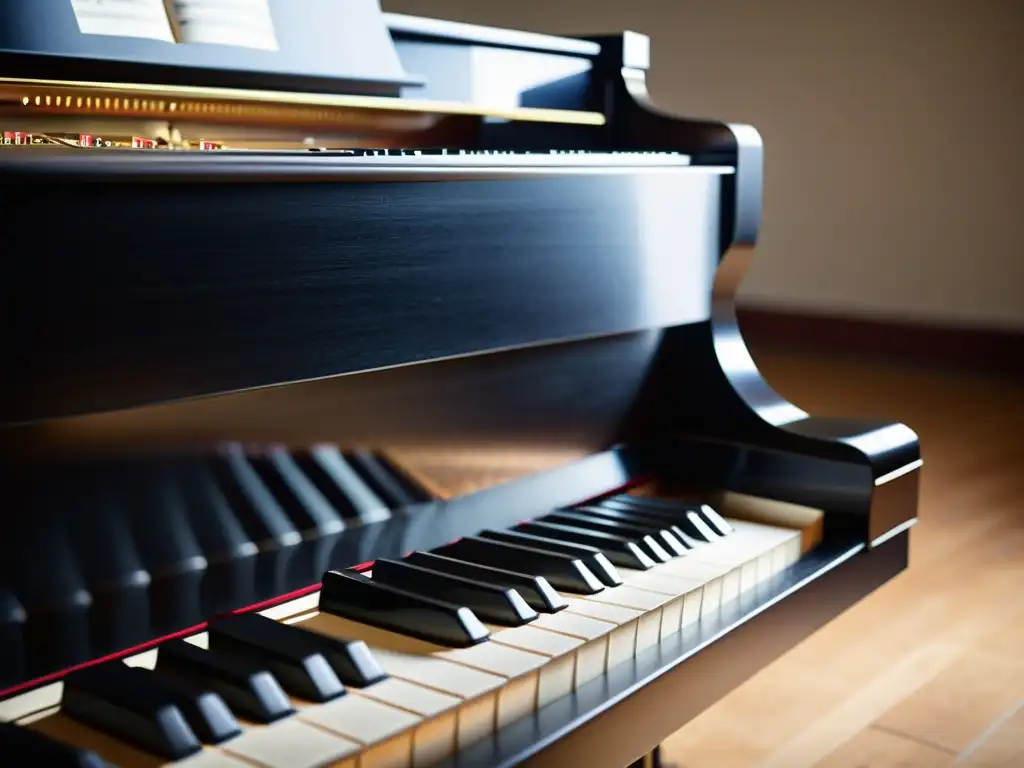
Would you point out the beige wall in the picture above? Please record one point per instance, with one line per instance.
(894, 134)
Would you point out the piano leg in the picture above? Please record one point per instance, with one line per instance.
(651, 760)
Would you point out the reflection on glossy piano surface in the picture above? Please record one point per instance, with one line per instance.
(374, 397)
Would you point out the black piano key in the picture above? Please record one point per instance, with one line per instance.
(378, 477)
(591, 557)
(636, 504)
(536, 590)
(679, 524)
(658, 541)
(644, 501)
(694, 529)
(678, 508)
(155, 510)
(130, 705)
(262, 517)
(27, 747)
(618, 550)
(564, 572)
(109, 561)
(413, 487)
(230, 580)
(248, 689)
(12, 643)
(711, 516)
(493, 603)
(319, 524)
(638, 535)
(647, 517)
(327, 469)
(353, 596)
(662, 534)
(352, 660)
(204, 710)
(45, 578)
(653, 502)
(696, 526)
(280, 648)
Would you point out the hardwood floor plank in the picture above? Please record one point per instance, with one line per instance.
(872, 748)
(958, 607)
(1002, 747)
(853, 670)
(960, 703)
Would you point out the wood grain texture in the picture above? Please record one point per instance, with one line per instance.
(875, 748)
(1002, 746)
(927, 671)
(938, 345)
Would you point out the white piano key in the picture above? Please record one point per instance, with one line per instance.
(144, 660)
(592, 656)
(439, 699)
(291, 743)
(518, 697)
(413, 661)
(688, 592)
(521, 667)
(36, 703)
(711, 576)
(384, 733)
(767, 549)
(622, 640)
(557, 676)
(434, 737)
(731, 585)
(285, 744)
(299, 605)
(652, 604)
(214, 758)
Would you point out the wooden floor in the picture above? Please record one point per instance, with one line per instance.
(929, 670)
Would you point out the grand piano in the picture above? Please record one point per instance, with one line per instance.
(374, 396)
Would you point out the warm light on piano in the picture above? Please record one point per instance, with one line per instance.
(376, 399)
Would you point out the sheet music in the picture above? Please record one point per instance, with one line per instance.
(245, 23)
(124, 18)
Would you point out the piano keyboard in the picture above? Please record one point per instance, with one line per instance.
(416, 658)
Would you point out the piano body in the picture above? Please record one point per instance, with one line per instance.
(438, 315)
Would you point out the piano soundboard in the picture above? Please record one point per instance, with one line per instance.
(359, 416)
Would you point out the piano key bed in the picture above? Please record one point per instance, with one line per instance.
(436, 656)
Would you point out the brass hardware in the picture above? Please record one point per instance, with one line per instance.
(239, 103)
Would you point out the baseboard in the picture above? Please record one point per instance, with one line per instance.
(990, 350)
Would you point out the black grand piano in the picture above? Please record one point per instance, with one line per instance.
(374, 396)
